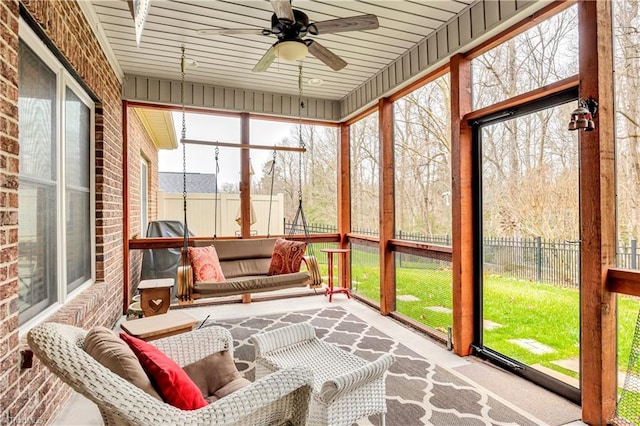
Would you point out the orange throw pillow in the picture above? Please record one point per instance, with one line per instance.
(205, 264)
(286, 257)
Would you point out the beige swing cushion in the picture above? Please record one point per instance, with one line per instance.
(245, 265)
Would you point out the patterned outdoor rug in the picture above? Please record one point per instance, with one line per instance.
(419, 392)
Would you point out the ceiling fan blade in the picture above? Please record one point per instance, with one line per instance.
(266, 60)
(354, 23)
(283, 9)
(229, 31)
(325, 55)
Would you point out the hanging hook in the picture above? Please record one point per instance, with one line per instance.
(273, 163)
(183, 61)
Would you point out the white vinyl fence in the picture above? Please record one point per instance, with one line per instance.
(201, 213)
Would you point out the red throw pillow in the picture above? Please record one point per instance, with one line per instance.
(205, 264)
(286, 257)
(172, 383)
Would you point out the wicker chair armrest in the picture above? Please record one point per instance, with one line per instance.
(292, 383)
(280, 338)
(190, 347)
(345, 384)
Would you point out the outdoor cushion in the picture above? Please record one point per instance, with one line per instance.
(216, 375)
(205, 264)
(286, 257)
(252, 284)
(173, 384)
(240, 249)
(242, 257)
(241, 268)
(106, 348)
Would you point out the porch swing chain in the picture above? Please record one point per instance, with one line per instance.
(185, 249)
(301, 141)
(272, 172)
(315, 280)
(215, 200)
(184, 136)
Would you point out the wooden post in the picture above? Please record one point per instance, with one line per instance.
(462, 206)
(126, 283)
(597, 218)
(245, 178)
(387, 208)
(344, 192)
(245, 185)
(344, 185)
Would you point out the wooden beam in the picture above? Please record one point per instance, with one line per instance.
(178, 242)
(245, 185)
(625, 281)
(344, 186)
(243, 146)
(344, 196)
(539, 93)
(437, 73)
(462, 206)
(432, 332)
(421, 249)
(361, 115)
(365, 240)
(253, 116)
(125, 209)
(245, 178)
(597, 224)
(387, 207)
(543, 14)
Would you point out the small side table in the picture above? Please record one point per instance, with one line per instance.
(343, 255)
(151, 328)
(155, 296)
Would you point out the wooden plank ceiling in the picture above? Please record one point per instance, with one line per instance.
(227, 60)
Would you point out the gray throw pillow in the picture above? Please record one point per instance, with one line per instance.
(216, 375)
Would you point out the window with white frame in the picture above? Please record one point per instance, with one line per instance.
(56, 247)
(144, 196)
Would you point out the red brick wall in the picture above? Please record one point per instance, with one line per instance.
(9, 352)
(32, 395)
(140, 146)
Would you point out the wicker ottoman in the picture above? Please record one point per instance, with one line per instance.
(346, 387)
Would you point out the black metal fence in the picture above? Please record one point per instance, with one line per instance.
(531, 259)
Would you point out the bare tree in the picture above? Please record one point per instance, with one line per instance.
(627, 83)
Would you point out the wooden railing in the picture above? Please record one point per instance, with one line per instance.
(624, 281)
(177, 242)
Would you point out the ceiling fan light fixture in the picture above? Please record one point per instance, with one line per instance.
(290, 50)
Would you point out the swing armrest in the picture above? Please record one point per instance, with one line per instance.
(315, 279)
(184, 278)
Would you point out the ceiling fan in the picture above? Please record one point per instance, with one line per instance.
(291, 26)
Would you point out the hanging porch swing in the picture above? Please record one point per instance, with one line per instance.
(245, 265)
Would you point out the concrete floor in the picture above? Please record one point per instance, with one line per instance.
(544, 405)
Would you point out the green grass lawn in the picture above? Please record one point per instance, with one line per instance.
(546, 313)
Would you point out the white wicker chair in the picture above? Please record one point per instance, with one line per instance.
(281, 398)
(346, 387)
